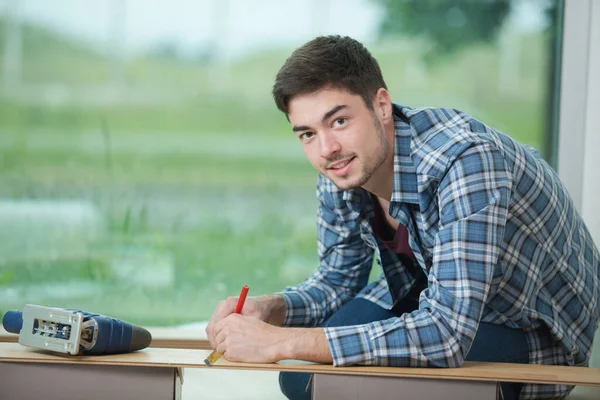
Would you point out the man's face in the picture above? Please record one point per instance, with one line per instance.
(342, 138)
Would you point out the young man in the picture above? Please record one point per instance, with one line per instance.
(484, 256)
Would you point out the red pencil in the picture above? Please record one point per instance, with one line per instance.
(214, 356)
(242, 299)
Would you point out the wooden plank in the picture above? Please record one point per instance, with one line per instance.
(164, 337)
(179, 338)
(6, 337)
(186, 358)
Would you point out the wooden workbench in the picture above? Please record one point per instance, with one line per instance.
(465, 378)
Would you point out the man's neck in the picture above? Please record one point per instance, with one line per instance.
(381, 183)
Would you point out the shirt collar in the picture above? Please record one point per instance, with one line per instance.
(405, 189)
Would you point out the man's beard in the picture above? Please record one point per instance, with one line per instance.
(370, 162)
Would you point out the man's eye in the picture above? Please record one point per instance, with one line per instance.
(339, 121)
(306, 135)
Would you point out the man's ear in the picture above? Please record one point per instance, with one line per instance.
(383, 104)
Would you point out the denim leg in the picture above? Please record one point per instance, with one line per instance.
(355, 312)
(495, 343)
(293, 385)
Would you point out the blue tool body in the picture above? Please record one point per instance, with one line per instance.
(74, 331)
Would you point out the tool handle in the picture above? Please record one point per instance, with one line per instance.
(116, 336)
(13, 321)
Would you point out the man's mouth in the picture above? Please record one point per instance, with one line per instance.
(341, 168)
(340, 164)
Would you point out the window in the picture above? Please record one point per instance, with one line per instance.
(145, 171)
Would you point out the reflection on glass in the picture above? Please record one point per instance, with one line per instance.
(145, 171)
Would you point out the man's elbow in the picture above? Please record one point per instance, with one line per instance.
(452, 357)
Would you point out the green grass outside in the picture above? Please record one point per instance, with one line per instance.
(148, 166)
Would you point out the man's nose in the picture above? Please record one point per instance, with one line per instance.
(329, 145)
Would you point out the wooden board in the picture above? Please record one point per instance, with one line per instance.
(165, 337)
(179, 338)
(7, 337)
(188, 358)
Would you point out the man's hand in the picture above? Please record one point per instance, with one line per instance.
(269, 308)
(248, 339)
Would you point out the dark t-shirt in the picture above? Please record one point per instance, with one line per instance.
(397, 241)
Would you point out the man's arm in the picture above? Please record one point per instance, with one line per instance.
(267, 308)
(249, 339)
(474, 198)
(345, 261)
(473, 207)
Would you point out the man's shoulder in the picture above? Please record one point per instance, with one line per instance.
(426, 120)
(436, 126)
(439, 136)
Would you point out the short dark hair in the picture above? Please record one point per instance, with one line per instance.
(328, 62)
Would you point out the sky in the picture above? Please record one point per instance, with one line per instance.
(233, 26)
(140, 24)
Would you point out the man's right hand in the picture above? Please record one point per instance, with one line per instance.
(268, 308)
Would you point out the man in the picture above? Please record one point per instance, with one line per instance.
(483, 255)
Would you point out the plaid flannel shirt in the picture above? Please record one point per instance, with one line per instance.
(492, 229)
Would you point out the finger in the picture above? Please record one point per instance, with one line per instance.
(222, 348)
(210, 331)
(218, 330)
(223, 309)
(210, 334)
(220, 338)
(226, 327)
(231, 303)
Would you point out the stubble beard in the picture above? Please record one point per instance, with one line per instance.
(370, 162)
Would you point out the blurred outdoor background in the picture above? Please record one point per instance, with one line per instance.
(145, 172)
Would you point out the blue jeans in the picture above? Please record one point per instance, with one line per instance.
(492, 343)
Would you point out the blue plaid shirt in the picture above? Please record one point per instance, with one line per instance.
(492, 229)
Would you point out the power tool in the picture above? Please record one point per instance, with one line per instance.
(74, 332)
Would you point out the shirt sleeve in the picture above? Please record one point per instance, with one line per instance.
(345, 262)
(473, 198)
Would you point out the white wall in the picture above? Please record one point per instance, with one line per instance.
(579, 130)
(591, 165)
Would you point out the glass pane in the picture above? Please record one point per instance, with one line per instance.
(145, 171)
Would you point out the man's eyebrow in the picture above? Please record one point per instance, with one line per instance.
(327, 115)
(300, 128)
(335, 109)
